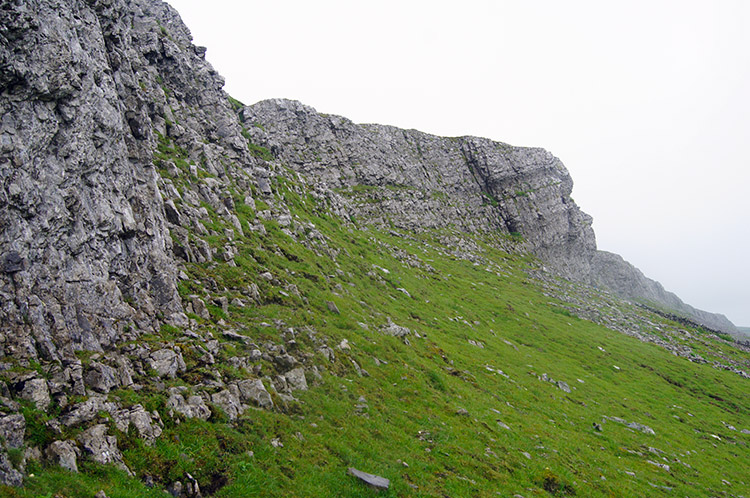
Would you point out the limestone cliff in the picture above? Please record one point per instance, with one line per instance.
(419, 181)
(94, 91)
(168, 254)
(87, 90)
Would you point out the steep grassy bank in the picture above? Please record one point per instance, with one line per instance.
(472, 400)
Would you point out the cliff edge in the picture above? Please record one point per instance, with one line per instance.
(419, 181)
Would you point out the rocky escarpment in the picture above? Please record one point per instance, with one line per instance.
(121, 161)
(418, 181)
(159, 266)
(612, 272)
(87, 90)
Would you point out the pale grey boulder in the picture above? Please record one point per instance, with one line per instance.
(166, 362)
(64, 453)
(191, 407)
(295, 379)
(12, 430)
(253, 391)
(101, 447)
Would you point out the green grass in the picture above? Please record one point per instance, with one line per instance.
(414, 391)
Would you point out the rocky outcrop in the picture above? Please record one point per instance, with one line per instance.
(612, 272)
(417, 181)
(88, 89)
(124, 168)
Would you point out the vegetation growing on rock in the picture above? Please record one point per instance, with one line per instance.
(190, 308)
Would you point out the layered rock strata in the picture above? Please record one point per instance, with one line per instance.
(418, 181)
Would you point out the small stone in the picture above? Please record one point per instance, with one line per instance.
(332, 307)
(175, 489)
(371, 480)
(660, 465)
(401, 289)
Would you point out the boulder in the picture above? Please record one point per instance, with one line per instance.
(296, 380)
(229, 401)
(396, 330)
(101, 447)
(87, 410)
(36, 391)
(166, 362)
(285, 361)
(192, 407)
(253, 390)
(138, 417)
(9, 475)
(12, 430)
(64, 453)
(101, 378)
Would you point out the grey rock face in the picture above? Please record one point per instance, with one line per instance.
(424, 181)
(612, 272)
(75, 163)
(86, 91)
(419, 181)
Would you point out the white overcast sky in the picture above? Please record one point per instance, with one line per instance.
(647, 102)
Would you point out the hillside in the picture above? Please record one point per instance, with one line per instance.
(215, 299)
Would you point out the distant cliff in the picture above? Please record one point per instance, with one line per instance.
(415, 181)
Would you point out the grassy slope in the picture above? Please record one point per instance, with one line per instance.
(408, 427)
